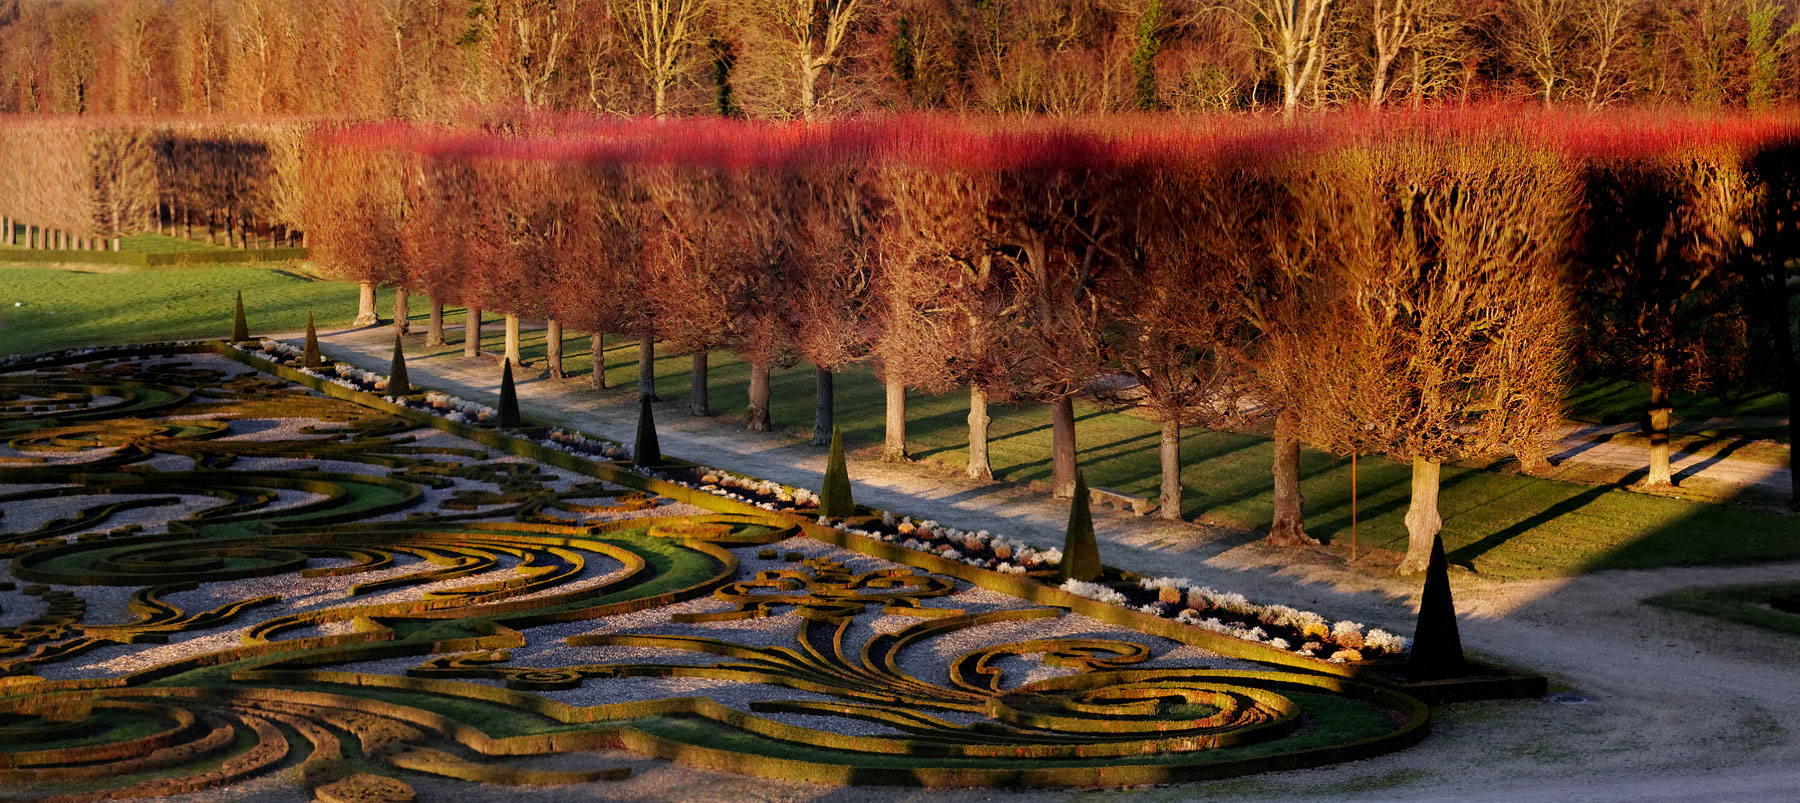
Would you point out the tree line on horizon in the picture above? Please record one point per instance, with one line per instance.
(788, 59)
(1424, 289)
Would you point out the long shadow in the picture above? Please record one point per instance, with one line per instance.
(1466, 554)
(1560, 457)
(1712, 460)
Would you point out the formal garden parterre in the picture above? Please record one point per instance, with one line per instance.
(221, 573)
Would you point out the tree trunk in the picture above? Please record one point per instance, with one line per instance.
(553, 347)
(1169, 505)
(979, 467)
(402, 312)
(1287, 526)
(365, 306)
(512, 340)
(893, 450)
(1790, 374)
(434, 330)
(756, 416)
(1658, 420)
(1062, 448)
(472, 332)
(1422, 520)
(597, 377)
(824, 405)
(647, 367)
(699, 401)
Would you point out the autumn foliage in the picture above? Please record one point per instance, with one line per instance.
(1415, 285)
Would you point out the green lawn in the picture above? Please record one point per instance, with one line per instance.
(1620, 402)
(1501, 525)
(71, 307)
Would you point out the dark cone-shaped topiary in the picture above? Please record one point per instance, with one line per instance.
(1437, 646)
(646, 452)
(240, 326)
(1081, 553)
(509, 398)
(835, 500)
(397, 384)
(310, 358)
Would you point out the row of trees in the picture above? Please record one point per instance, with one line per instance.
(1416, 289)
(799, 58)
(237, 181)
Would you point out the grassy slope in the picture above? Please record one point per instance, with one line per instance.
(1502, 525)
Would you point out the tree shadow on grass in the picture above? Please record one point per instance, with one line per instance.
(1466, 554)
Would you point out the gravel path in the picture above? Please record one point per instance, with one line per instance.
(1682, 708)
(1587, 444)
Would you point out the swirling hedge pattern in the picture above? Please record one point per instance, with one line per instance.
(173, 477)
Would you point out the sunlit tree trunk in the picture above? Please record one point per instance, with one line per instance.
(365, 306)
(402, 312)
(647, 367)
(893, 448)
(699, 403)
(1169, 505)
(1287, 526)
(1658, 419)
(979, 466)
(824, 412)
(756, 416)
(1422, 520)
(472, 332)
(434, 332)
(553, 347)
(512, 339)
(1062, 447)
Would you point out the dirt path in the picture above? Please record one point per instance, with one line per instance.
(1682, 708)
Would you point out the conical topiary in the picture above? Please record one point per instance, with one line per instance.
(240, 326)
(310, 358)
(835, 500)
(509, 398)
(647, 451)
(397, 384)
(1081, 553)
(1437, 646)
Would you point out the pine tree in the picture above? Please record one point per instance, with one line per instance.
(509, 399)
(646, 452)
(835, 500)
(1081, 552)
(397, 384)
(1437, 645)
(311, 359)
(240, 326)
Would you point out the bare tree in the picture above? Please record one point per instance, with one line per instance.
(661, 35)
(1393, 25)
(1536, 36)
(1664, 231)
(1292, 34)
(1457, 331)
(1606, 28)
(809, 37)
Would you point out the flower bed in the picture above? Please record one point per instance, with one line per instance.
(751, 491)
(1300, 632)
